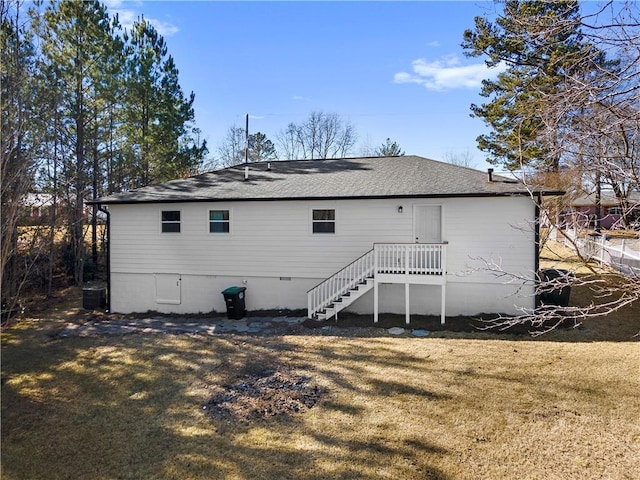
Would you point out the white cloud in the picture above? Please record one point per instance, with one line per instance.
(164, 28)
(301, 98)
(112, 3)
(127, 17)
(447, 74)
(435, 43)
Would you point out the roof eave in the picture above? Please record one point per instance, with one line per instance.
(316, 198)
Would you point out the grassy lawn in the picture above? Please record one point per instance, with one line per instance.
(448, 406)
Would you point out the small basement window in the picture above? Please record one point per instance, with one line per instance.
(324, 221)
(170, 221)
(218, 221)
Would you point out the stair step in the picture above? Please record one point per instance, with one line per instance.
(345, 299)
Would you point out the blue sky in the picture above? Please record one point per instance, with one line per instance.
(392, 69)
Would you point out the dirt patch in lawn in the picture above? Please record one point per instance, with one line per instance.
(263, 394)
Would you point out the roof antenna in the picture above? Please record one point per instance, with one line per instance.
(246, 140)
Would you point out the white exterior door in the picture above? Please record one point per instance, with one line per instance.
(168, 288)
(427, 223)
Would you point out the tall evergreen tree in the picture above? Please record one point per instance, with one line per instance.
(78, 46)
(161, 144)
(261, 148)
(541, 44)
(81, 117)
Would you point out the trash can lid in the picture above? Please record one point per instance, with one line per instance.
(233, 290)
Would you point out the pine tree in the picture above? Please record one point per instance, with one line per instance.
(78, 46)
(389, 149)
(161, 144)
(541, 43)
(261, 148)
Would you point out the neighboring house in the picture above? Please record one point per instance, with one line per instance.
(371, 234)
(38, 209)
(583, 211)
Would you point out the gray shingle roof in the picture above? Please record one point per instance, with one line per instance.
(607, 199)
(370, 177)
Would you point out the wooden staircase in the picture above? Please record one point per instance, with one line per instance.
(345, 300)
(406, 263)
(341, 289)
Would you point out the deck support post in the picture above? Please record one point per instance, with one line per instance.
(407, 286)
(442, 304)
(443, 268)
(407, 303)
(375, 283)
(375, 301)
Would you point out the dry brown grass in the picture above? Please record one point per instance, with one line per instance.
(557, 255)
(455, 407)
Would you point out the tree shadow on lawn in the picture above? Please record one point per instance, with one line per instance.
(131, 407)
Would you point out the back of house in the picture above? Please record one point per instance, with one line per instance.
(281, 228)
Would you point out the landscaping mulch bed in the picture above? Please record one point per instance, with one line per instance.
(430, 323)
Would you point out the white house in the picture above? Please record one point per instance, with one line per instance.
(384, 234)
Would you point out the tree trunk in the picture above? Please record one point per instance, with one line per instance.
(77, 220)
(94, 194)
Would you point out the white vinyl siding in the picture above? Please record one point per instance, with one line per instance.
(488, 234)
(274, 239)
(269, 238)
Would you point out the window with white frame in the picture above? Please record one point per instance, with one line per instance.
(324, 221)
(219, 221)
(170, 221)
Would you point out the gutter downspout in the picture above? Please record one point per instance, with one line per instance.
(106, 212)
(537, 247)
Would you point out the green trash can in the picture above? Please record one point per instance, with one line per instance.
(234, 299)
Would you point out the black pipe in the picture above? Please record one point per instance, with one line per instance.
(108, 262)
(536, 261)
